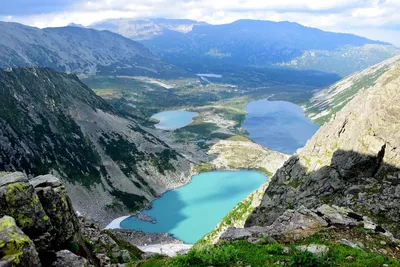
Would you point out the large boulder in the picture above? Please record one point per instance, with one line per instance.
(57, 205)
(66, 258)
(16, 249)
(19, 200)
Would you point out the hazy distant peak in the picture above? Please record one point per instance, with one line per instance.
(76, 25)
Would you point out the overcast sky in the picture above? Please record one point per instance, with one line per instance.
(375, 19)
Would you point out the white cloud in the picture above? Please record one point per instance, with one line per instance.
(355, 16)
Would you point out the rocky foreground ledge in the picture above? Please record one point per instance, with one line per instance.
(39, 227)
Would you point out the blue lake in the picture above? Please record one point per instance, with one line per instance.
(278, 125)
(174, 119)
(192, 211)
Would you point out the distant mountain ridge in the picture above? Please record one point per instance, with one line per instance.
(254, 43)
(76, 49)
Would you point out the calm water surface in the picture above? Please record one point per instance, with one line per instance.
(192, 211)
(174, 119)
(278, 125)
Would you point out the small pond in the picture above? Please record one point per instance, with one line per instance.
(173, 119)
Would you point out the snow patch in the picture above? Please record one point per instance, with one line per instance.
(115, 224)
(170, 250)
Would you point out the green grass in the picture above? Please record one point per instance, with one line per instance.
(271, 253)
(239, 138)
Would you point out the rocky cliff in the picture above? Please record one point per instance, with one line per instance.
(352, 161)
(50, 122)
(39, 227)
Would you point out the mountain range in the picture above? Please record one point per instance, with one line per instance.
(79, 50)
(253, 43)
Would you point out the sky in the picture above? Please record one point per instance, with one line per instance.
(375, 19)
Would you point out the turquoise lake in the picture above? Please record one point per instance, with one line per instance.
(174, 119)
(193, 210)
(278, 125)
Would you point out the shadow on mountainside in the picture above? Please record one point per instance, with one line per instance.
(361, 182)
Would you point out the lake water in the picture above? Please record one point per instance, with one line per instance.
(209, 75)
(278, 125)
(174, 119)
(192, 211)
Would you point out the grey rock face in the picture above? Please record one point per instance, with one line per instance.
(57, 205)
(10, 178)
(291, 225)
(44, 213)
(19, 200)
(303, 222)
(325, 103)
(66, 258)
(16, 248)
(352, 162)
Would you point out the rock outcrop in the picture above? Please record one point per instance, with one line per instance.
(39, 226)
(302, 222)
(15, 247)
(67, 258)
(353, 161)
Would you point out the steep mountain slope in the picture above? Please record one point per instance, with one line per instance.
(75, 49)
(324, 104)
(254, 43)
(352, 161)
(51, 122)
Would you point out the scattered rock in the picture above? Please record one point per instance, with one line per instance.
(383, 243)
(369, 225)
(286, 250)
(104, 260)
(314, 248)
(339, 215)
(66, 258)
(125, 256)
(348, 243)
(361, 245)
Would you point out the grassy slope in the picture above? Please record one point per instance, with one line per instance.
(377, 251)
